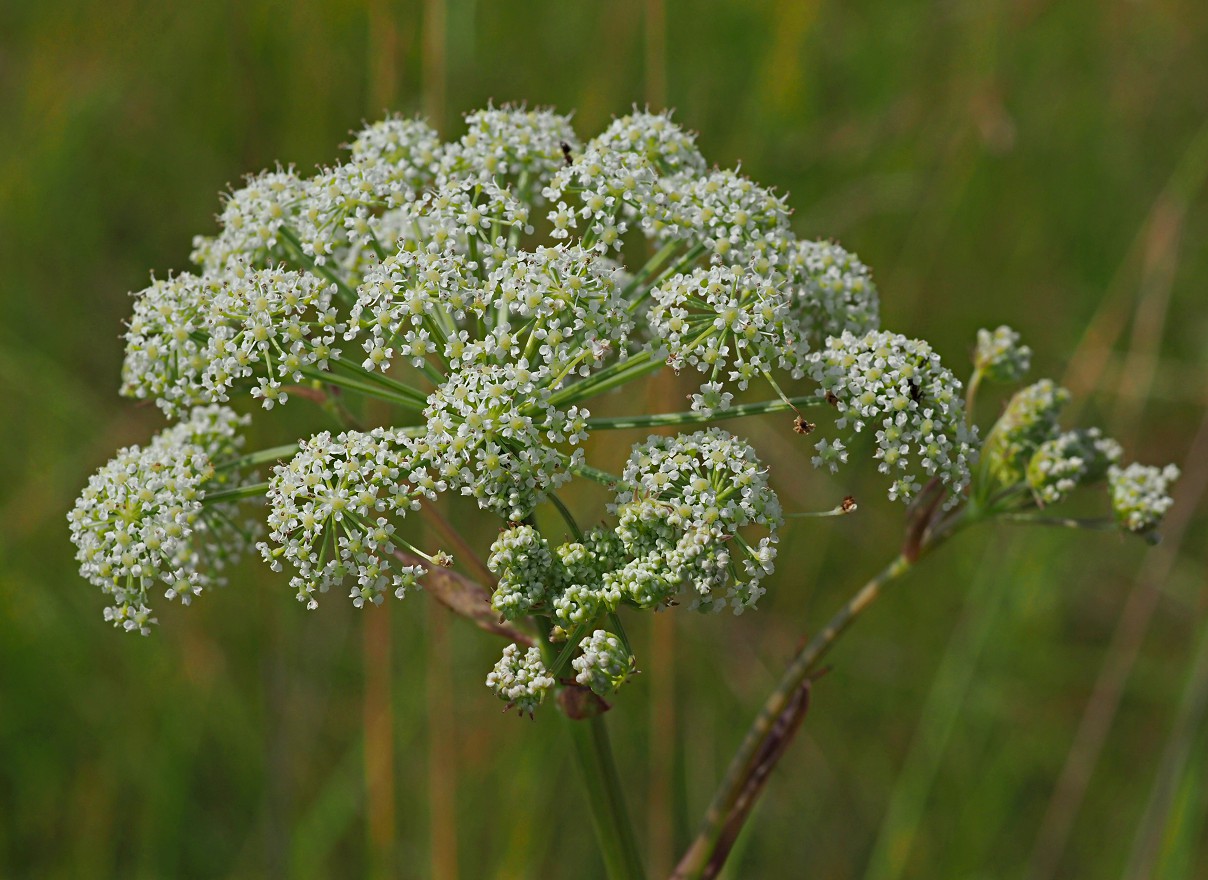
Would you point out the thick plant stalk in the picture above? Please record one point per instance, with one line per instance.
(583, 714)
(614, 831)
(767, 738)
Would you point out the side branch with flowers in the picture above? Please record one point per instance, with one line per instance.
(483, 292)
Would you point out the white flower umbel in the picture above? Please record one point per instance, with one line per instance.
(513, 147)
(897, 387)
(520, 679)
(832, 292)
(656, 138)
(193, 339)
(1140, 495)
(999, 356)
(604, 664)
(568, 583)
(332, 513)
(1070, 460)
(142, 518)
(252, 219)
(730, 323)
(391, 162)
(681, 505)
(735, 219)
(559, 306)
(492, 434)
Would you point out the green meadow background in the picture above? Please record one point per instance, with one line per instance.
(1027, 704)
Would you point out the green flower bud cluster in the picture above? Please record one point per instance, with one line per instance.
(520, 678)
(1030, 419)
(1069, 460)
(999, 356)
(1140, 495)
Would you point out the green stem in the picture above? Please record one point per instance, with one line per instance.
(252, 490)
(613, 377)
(263, 456)
(380, 378)
(594, 751)
(689, 418)
(585, 388)
(1097, 524)
(610, 818)
(566, 515)
(595, 475)
(369, 390)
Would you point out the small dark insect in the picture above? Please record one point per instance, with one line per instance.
(916, 391)
(566, 152)
(801, 426)
(849, 504)
(831, 399)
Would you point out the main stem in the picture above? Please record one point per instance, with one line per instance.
(699, 861)
(605, 798)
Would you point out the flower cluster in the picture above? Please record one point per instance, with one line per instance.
(144, 517)
(999, 356)
(423, 260)
(604, 663)
(681, 505)
(729, 324)
(898, 387)
(194, 337)
(1140, 495)
(491, 433)
(520, 679)
(1060, 465)
(1029, 420)
(832, 291)
(569, 582)
(332, 508)
(559, 306)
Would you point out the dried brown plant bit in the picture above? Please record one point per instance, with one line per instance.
(848, 505)
(801, 426)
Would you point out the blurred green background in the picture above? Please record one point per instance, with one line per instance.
(1036, 163)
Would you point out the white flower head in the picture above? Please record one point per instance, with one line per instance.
(333, 510)
(832, 292)
(143, 519)
(1029, 420)
(999, 356)
(681, 506)
(731, 324)
(493, 433)
(1140, 495)
(1070, 460)
(252, 220)
(512, 146)
(897, 388)
(520, 678)
(193, 339)
(604, 664)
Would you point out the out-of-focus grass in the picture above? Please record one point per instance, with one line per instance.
(992, 162)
